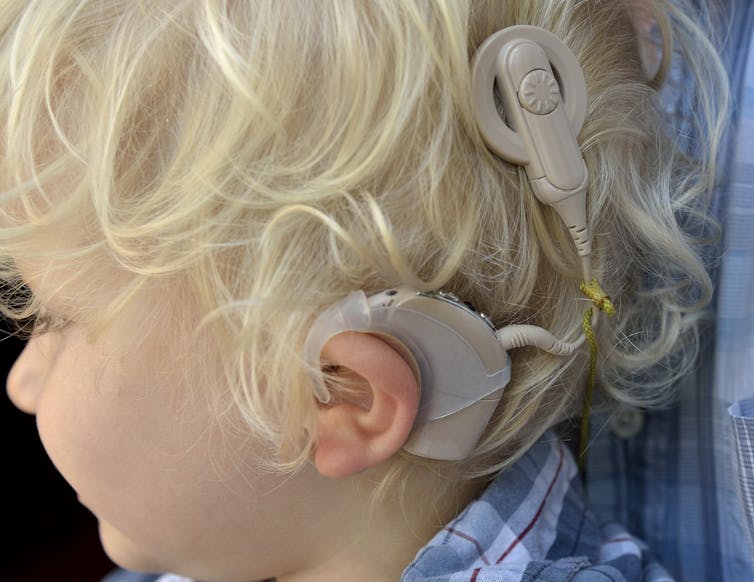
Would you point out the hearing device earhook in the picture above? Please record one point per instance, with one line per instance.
(461, 366)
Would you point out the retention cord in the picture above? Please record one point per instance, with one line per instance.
(601, 301)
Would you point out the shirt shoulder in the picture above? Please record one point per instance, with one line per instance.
(532, 524)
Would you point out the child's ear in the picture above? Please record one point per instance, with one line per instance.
(353, 436)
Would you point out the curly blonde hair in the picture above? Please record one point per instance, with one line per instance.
(274, 157)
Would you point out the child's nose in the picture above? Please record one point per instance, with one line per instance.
(27, 376)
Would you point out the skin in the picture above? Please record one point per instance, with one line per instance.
(176, 490)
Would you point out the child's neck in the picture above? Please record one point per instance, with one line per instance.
(380, 547)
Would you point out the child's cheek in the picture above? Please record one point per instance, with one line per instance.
(70, 426)
(82, 424)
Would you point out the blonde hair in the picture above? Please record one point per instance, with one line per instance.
(276, 157)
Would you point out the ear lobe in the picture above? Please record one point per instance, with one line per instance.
(350, 437)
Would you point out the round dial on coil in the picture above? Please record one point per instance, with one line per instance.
(539, 92)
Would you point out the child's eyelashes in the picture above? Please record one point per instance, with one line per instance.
(46, 322)
(43, 321)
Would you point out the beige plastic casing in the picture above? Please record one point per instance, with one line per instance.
(544, 110)
(461, 366)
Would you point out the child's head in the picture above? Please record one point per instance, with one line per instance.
(189, 184)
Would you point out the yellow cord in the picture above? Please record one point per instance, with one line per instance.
(602, 302)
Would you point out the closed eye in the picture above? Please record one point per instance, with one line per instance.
(46, 322)
(42, 321)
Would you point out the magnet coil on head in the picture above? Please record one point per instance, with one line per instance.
(498, 136)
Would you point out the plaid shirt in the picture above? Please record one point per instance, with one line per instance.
(532, 525)
(683, 479)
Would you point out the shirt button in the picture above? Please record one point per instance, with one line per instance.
(627, 422)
